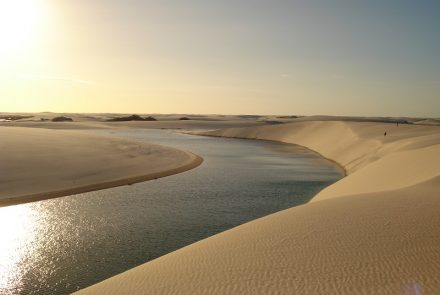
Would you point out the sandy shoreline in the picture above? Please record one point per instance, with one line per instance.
(212, 134)
(373, 232)
(99, 186)
(71, 163)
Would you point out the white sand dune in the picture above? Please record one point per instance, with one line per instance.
(377, 231)
(407, 155)
(38, 163)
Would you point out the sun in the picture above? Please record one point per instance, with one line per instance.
(20, 21)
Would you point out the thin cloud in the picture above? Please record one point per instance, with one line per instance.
(54, 78)
(337, 76)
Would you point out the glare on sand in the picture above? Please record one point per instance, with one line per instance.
(19, 21)
(17, 229)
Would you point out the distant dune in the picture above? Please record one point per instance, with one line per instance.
(374, 232)
(131, 118)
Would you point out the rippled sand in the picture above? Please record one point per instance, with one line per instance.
(374, 232)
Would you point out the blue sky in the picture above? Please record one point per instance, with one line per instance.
(273, 57)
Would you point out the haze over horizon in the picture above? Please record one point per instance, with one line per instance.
(359, 58)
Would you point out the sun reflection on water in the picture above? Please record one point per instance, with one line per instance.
(61, 245)
(17, 231)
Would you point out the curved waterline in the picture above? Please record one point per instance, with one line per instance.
(82, 239)
(195, 161)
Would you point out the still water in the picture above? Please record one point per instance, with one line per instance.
(62, 245)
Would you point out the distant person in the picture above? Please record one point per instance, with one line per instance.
(397, 124)
(385, 134)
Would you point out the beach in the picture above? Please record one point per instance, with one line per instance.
(374, 231)
(40, 163)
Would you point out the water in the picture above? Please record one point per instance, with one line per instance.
(62, 245)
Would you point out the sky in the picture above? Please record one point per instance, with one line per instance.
(297, 57)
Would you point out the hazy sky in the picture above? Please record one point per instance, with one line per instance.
(336, 57)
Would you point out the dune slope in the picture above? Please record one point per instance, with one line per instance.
(374, 232)
(363, 244)
(407, 155)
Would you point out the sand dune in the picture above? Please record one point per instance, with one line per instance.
(407, 155)
(70, 162)
(374, 232)
(165, 124)
(364, 244)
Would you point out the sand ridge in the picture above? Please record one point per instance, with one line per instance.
(373, 232)
(70, 162)
(409, 154)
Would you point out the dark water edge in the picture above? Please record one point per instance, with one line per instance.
(62, 245)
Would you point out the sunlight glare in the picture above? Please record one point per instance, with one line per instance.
(17, 228)
(19, 23)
